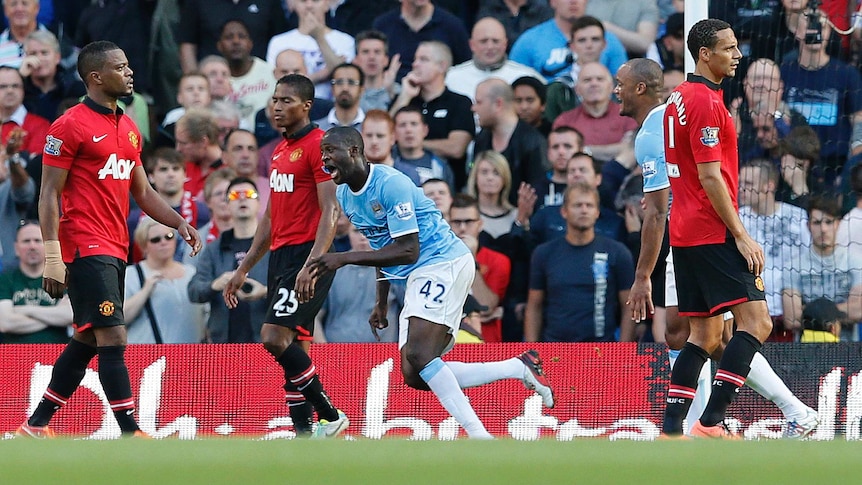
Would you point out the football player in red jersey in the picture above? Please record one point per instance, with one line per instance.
(92, 160)
(717, 263)
(298, 225)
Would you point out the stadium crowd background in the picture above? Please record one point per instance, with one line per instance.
(496, 156)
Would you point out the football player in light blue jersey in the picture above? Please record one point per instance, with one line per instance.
(410, 240)
(639, 84)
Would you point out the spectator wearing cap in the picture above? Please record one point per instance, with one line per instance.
(821, 322)
(669, 50)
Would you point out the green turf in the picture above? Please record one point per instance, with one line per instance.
(217, 461)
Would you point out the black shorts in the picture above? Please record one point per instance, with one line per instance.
(712, 277)
(96, 288)
(283, 307)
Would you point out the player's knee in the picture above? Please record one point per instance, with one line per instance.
(411, 375)
(677, 331)
(415, 382)
(712, 343)
(416, 357)
(275, 346)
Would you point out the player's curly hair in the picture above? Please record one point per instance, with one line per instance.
(703, 34)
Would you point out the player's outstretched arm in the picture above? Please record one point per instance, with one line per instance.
(652, 233)
(156, 207)
(54, 274)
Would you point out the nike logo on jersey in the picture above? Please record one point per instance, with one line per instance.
(97, 139)
(275, 157)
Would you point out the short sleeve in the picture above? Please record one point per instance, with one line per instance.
(704, 132)
(464, 119)
(398, 197)
(61, 143)
(538, 277)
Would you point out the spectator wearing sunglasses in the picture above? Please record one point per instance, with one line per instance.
(216, 266)
(157, 308)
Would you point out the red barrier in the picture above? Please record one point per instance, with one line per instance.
(609, 390)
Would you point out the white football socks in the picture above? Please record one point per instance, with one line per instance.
(766, 382)
(443, 383)
(478, 373)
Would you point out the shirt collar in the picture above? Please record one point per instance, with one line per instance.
(300, 132)
(333, 120)
(18, 116)
(694, 78)
(98, 108)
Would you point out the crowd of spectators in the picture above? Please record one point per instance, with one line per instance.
(501, 110)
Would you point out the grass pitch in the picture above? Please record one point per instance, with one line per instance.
(391, 461)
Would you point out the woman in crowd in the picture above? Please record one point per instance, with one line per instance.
(157, 308)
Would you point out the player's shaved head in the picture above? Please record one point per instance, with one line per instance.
(344, 136)
(647, 71)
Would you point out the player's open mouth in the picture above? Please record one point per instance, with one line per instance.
(332, 170)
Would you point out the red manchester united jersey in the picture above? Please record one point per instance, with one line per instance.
(295, 171)
(698, 129)
(99, 149)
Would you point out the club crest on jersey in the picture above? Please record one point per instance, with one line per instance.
(376, 207)
(294, 155)
(758, 283)
(52, 145)
(709, 136)
(404, 210)
(133, 139)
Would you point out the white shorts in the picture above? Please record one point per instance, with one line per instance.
(670, 298)
(437, 293)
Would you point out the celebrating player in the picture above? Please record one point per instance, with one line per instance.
(411, 241)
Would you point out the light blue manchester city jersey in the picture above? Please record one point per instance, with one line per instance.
(389, 206)
(649, 151)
